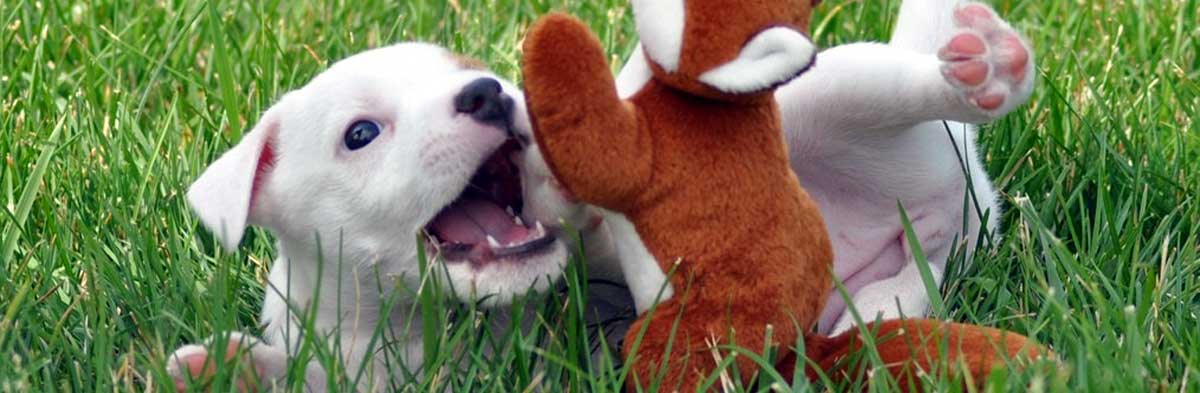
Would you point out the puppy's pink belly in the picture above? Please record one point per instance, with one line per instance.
(864, 232)
(867, 241)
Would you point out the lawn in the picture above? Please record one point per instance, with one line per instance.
(109, 109)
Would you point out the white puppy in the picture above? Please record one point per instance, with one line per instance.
(865, 131)
(346, 172)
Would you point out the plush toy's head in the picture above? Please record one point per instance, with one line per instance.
(725, 48)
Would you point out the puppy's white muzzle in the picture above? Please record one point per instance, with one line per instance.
(771, 58)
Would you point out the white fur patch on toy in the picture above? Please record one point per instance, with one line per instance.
(660, 25)
(634, 75)
(772, 57)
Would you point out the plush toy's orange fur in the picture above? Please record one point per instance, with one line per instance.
(703, 175)
(705, 182)
(909, 348)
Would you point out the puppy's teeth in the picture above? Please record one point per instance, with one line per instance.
(539, 229)
(518, 220)
(493, 242)
(509, 209)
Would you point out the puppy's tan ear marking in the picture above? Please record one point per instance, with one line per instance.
(225, 194)
(468, 63)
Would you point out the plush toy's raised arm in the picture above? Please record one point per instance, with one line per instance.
(590, 138)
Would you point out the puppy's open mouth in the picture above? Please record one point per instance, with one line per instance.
(483, 224)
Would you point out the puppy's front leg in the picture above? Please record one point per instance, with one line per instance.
(260, 366)
(980, 73)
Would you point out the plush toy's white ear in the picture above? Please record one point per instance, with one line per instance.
(223, 194)
(660, 26)
(773, 57)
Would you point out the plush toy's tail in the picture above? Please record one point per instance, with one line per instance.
(910, 348)
(925, 25)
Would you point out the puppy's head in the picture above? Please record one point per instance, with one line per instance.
(387, 147)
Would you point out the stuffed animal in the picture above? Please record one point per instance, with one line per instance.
(697, 163)
(696, 160)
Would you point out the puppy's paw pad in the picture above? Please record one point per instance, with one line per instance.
(987, 60)
(989, 102)
(195, 363)
(974, 14)
(187, 362)
(970, 73)
(963, 46)
(1015, 56)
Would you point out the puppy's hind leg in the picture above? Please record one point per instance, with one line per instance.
(982, 54)
(923, 25)
(977, 71)
(901, 295)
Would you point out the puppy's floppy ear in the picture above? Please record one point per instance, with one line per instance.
(224, 194)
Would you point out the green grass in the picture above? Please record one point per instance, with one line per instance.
(108, 110)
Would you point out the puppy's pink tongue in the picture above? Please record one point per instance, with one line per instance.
(472, 220)
(455, 226)
(494, 220)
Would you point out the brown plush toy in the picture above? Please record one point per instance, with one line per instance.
(696, 160)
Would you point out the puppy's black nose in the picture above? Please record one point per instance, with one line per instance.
(484, 100)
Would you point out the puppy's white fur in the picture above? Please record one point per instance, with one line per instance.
(860, 153)
(865, 132)
(347, 222)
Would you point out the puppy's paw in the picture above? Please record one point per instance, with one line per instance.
(194, 366)
(987, 61)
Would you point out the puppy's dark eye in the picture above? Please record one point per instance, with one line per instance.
(360, 134)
